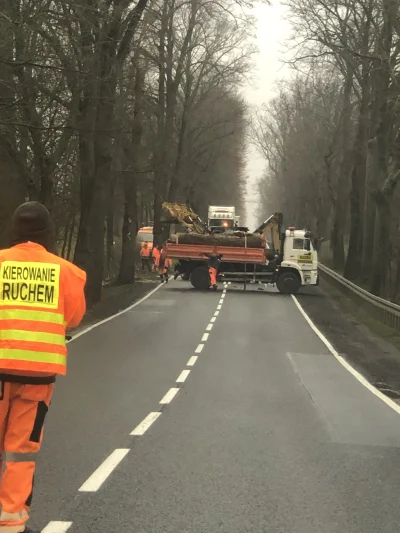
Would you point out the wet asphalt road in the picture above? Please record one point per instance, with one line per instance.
(266, 433)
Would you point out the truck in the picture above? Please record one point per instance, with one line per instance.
(221, 218)
(285, 258)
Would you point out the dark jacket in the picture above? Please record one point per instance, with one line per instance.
(214, 260)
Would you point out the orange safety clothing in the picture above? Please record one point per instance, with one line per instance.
(145, 252)
(40, 296)
(156, 256)
(164, 265)
(213, 275)
(22, 412)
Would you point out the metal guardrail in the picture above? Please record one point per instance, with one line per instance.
(380, 309)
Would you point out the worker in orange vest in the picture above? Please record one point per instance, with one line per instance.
(164, 265)
(214, 260)
(145, 257)
(156, 252)
(40, 296)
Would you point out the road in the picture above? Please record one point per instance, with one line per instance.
(265, 431)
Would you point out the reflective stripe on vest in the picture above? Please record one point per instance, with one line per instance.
(26, 355)
(36, 316)
(31, 336)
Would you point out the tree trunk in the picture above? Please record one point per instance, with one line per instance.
(65, 238)
(353, 265)
(130, 223)
(129, 231)
(340, 207)
(110, 232)
(71, 235)
(382, 247)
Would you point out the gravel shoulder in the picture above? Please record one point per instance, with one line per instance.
(371, 347)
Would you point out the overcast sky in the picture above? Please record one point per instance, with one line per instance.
(272, 31)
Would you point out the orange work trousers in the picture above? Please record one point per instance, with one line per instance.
(23, 409)
(213, 275)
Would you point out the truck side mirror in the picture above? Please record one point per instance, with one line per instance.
(307, 244)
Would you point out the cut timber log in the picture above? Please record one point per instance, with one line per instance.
(237, 240)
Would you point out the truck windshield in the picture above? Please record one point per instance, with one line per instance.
(145, 237)
(302, 244)
(221, 223)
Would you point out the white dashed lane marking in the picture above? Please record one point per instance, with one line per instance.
(182, 376)
(101, 474)
(214, 318)
(169, 396)
(57, 527)
(199, 348)
(209, 327)
(192, 360)
(216, 313)
(205, 337)
(145, 424)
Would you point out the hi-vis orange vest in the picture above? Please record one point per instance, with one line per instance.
(145, 252)
(40, 296)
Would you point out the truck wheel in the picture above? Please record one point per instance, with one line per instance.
(200, 278)
(288, 283)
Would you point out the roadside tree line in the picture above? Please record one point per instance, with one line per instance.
(331, 136)
(110, 107)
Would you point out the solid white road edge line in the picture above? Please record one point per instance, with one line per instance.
(169, 396)
(57, 527)
(192, 360)
(99, 476)
(83, 332)
(209, 327)
(214, 318)
(182, 376)
(204, 338)
(145, 424)
(344, 363)
(216, 313)
(199, 348)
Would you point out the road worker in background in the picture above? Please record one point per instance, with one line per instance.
(214, 260)
(156, 252)
(145, 257)
(165, 263)
(40, 296)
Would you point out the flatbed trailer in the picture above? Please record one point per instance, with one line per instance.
(242, 265)
(294, 266)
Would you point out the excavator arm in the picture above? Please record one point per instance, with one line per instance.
(271, 230)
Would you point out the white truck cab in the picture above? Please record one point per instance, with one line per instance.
(299, 263)
(221, 217)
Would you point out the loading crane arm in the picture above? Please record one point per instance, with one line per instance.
(271, 229)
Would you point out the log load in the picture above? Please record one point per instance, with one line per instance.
(236, 239)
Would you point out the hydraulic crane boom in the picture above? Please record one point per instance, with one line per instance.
(271, 229)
